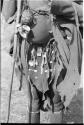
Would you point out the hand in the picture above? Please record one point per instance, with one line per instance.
(23, 30)
(47, 106)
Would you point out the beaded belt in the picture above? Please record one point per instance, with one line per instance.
(42, 65)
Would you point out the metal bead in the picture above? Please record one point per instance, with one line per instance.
(35, 70)
(36, 77)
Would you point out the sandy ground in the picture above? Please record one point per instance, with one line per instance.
(19, 101)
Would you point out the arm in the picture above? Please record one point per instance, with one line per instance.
(9, 8)
(79, 9)
(80, 2)
(1, 4)
(63, 8)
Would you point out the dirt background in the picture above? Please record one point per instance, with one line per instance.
(19, 101)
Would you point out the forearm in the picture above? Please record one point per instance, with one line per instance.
(63, 8)
(79, 9)
(9, 8)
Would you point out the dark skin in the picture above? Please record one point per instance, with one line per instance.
(1, 4)
(64, 8)
(9, 7)
(42, 22)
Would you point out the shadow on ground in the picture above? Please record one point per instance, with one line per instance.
(76, 109)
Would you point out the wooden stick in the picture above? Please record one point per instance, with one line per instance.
(14, 54)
